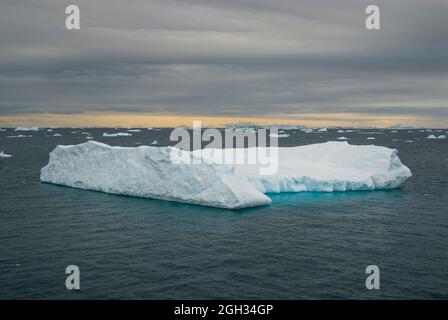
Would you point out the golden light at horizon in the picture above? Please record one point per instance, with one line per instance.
(164, 120)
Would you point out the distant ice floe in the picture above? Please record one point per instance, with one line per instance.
(4, 155)
(431, 136)
(20, 136)
(370, 138)
(409, 141)
(57, 135)
(279, 135)
(49, 130)
(118, 134)
(155, 142)
(342, 138)
(400, 126)
(322, 130)
(148, 172)
(1, 129)
(26, 129)
(134, 130)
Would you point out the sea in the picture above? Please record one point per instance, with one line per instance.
(302, 246)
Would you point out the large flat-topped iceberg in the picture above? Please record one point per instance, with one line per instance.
(149, 172)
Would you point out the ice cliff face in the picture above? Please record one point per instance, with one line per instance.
(149, 172)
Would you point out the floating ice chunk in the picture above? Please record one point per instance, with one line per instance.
(57, 135)
(148, 172)
(340, 131)
(49, 130)
(155, 142)
(20, 136)
(26, 129)
(118, 134)
(431, 136)
(322, 130)
(134, 130)
(409, 141)
(280, 135)
(342, 138)
(1, 129)
(370, 138)
(4, 155)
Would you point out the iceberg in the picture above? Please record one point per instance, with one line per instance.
(280, 135)
(148, 172)
(431, 136)
(4, 155)
(118, 134)
(342, 138)
(26, 129)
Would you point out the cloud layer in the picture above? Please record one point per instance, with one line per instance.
(224, 58)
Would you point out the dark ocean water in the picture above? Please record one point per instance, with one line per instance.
(303, 246)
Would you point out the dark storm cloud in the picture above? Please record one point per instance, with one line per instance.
(224, 57)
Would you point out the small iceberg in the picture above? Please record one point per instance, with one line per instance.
(370, 138)
(134, 130)
(118, 134)
(148, 172)
(431, 136)
(155, 142)
(26, 129)
(57, 135)
(342, 138)
(279, 135)
(4, 155)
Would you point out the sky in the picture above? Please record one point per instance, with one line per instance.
(164, 63)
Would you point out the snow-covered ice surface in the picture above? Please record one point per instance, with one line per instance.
(147, 171)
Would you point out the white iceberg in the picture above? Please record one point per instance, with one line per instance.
(134, 130)
(155, 142)
(57, 135)
(431, 136)
(370, 138)
(148, 172)
(26, 129)
(322, 130)
(118, 134)
(342, 138)
(4, 155)
(279, 135)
